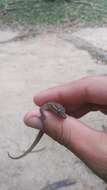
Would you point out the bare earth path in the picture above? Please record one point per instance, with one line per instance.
(26, 67)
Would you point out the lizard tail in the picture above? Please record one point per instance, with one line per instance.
(40, 134)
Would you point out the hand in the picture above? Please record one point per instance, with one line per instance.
(78, 97)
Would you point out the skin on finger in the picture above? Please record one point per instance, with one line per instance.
(61, 94)
(33, 120)
(85, 108)
(78, 138)
(74, 94)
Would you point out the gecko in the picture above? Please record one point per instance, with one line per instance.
(53, 107)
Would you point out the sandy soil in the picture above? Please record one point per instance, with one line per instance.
(27, 67)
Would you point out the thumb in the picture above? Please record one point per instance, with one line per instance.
(77, 137)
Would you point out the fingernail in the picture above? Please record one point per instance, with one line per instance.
(33, 121)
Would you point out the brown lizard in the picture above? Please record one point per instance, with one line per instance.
(54, 107)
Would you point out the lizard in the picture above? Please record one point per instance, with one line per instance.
(55, 108)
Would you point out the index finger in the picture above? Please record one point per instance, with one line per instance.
(86, 90)
(64, 94)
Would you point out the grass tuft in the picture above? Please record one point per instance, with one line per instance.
(53, 11)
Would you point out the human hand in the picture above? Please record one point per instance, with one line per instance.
(78, 98)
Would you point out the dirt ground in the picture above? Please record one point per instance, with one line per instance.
(27, 67)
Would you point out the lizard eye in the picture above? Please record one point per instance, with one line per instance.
(59, 110)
